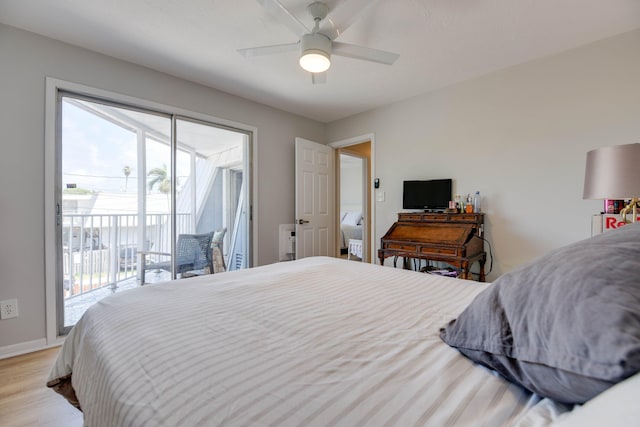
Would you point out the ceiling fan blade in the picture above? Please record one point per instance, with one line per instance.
(345, 14)
(364, 53)
(268, 50)
(319, 78)
(278, 11)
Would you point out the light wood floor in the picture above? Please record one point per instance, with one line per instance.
(25, 399)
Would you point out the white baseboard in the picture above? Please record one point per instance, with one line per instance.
(26, 347)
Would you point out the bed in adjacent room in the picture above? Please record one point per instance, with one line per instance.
(350, 227)
(315, 342)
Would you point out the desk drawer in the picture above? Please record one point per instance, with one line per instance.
(443, 251)
(402, 247)
(437, 218)
(409, 217)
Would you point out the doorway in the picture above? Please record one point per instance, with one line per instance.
(354, 201)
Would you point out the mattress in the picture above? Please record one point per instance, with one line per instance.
(314, 342)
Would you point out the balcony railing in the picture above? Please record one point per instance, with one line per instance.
(101, 250)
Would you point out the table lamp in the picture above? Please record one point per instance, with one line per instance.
(614, 173)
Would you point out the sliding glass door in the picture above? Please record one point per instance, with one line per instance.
(211, 168)
(133, 186)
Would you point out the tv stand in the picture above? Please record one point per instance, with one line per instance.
(454, 238)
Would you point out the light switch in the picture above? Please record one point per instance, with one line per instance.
(380, 196)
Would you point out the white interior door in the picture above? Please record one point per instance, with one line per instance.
(314, 199)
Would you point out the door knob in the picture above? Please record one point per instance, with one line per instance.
(302, 221)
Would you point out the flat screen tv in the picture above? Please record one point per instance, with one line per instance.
(431, 195)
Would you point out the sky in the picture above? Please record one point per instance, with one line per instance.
(95, 152)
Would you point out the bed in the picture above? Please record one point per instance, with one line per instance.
(350, 227)
(314, 342)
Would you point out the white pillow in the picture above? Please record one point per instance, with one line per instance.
(615, 407)
(352, 218)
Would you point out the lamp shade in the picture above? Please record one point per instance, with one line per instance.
(613, 172)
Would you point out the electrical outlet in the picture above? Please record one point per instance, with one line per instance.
(8, 309)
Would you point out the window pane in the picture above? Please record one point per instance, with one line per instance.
(210, 166)
(104, 149)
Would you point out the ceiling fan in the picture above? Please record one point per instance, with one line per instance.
(318, 44)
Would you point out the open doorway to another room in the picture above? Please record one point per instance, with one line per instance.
(355, 205)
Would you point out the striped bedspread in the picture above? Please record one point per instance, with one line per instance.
(314, 342)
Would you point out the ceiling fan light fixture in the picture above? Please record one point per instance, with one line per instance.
(316, 52)
(315, 61)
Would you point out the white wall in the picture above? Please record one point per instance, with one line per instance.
(27, 59)
(519, 136)
(350, 183)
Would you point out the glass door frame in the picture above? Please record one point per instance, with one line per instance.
(65, 94)
(55, 89)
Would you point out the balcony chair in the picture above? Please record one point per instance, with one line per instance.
(128, 256)
(193, 253)
(217, 252)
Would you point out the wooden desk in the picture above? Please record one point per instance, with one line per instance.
(451, 238)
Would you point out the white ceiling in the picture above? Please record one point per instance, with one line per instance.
(440, 42)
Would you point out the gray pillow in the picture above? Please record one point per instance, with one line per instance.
(565, 326)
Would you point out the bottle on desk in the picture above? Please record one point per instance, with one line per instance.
(476, 202)
(468, 208)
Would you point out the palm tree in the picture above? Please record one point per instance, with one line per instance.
(160, 177)
(127, 171)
